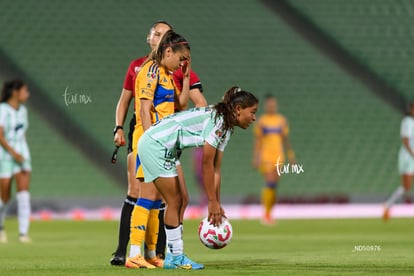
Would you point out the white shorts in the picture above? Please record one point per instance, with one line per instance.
(156, 160)
(9, 168)
(405, 162)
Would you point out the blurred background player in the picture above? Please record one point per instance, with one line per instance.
(14, 155)
(156, 98)
(270, 139)
(157, 30)
(405, 161)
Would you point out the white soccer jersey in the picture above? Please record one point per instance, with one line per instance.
(14, 124)
(191, 128)
(407, 130)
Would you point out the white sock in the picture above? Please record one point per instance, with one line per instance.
(3, 212)
(149, 254)
(23, 211)
(134, 251)
(175, 242)
(395, 196)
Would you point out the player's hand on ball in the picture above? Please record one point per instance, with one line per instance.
(119, 138)
(223, 214)
(214, 212)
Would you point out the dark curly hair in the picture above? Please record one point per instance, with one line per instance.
(9, 87)
(226, 108)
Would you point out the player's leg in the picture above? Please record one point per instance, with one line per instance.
(5, 188)
(406, 180)
(127, 208)
(23, 204)
(183, 191)
(169, 188)
(144, 226)
(407, 188)
(269, 192)
(406, 170)
(162, 238)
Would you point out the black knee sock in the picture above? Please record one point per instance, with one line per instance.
(124, 225)
(162, 239)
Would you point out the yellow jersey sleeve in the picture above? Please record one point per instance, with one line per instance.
(147, 81)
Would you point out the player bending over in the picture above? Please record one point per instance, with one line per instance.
(405, 161)
(210, 127)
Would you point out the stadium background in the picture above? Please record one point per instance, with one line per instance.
(340, 70)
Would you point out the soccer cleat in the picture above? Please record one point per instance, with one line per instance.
(138, 262)
(25, 239)
(117, 259)
(180, 262)
(156, 261)
(3, 236)
(386, 214)
(267, 220)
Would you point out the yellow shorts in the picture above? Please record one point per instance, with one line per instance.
(269, 165)
(138, 131)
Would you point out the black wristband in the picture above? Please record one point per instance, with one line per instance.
(117, 128)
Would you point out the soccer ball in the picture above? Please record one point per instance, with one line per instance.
(215, 237)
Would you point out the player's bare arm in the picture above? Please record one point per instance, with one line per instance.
(209, 177)
(120, 115)
(256, 151)
(3, 142)
(406, 143)
(217, 177)
(289, 149)
(145, 113)
(197, 98)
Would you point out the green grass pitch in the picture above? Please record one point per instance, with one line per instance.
(292, 247)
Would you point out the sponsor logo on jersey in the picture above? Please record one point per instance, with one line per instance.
(19, 126)
(136, 69)
(151, 76)
(144, 92)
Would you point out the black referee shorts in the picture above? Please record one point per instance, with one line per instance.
(131, 132)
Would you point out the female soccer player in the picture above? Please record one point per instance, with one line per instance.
(157, 30)
(157, 97)
(271, 137)
(14, 155)
(405, 161)
(210, 127)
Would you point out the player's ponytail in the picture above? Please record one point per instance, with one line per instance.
(170, 39)
(227, 107)
(9, 87)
